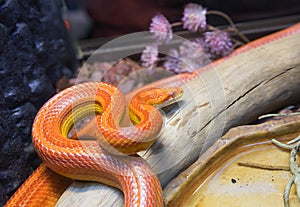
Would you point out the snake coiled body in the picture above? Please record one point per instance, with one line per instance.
(86, 159)
(31, 192)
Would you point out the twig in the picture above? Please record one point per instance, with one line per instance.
(287, 192)
(297, 139)
(263, 166)
(294, 168)
(276, 115)
(282, 145)
(234, 29)
(176, 24)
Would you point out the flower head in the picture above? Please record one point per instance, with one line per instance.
(161, 28)
(193, 53)
(194, 17)
(172, 62)
(149, 56)
(189, 57)
(218, 43)
(192, 49)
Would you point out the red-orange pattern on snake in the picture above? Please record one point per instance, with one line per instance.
(85, 159)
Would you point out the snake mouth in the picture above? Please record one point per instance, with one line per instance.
(175, 95)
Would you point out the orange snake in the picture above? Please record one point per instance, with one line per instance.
(57, 184)
(85, 159)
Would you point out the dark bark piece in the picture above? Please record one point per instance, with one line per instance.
(35, 52)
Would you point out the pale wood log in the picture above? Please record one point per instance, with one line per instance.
(233, 92)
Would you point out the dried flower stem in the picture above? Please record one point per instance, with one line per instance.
(229, 20)
(176, 24)
(222, 14)
(236, 42)
(225, 16)
(239, 33)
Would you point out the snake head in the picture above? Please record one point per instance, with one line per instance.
(147, 98)
(169, 96)
(159, 97)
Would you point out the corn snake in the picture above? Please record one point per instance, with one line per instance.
(176, 79)
(86, 160)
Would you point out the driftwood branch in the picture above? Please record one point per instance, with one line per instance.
(233, 92)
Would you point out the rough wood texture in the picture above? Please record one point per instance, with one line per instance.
(257, 79)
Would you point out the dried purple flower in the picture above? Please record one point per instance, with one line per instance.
(172, 62)
(161, 28)
(191, 56)
(192, 49)
(194, 17)
(149, 56)
(218, 43)
(177, 65)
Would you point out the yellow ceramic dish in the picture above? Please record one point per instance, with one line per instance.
(218, 179)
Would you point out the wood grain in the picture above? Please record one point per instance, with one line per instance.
(235, 91)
